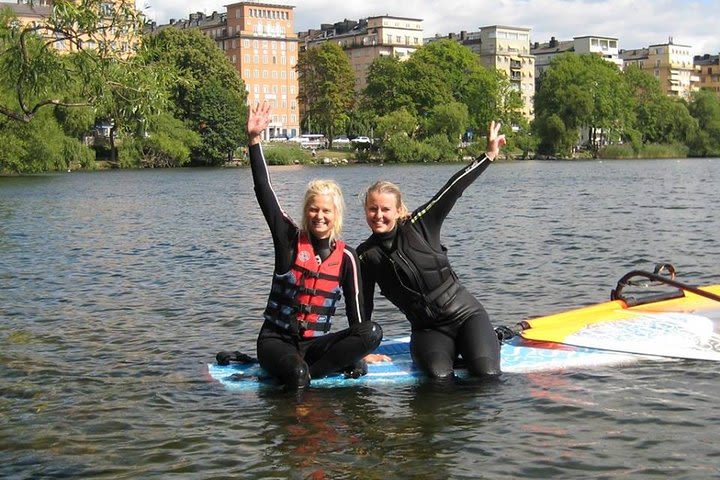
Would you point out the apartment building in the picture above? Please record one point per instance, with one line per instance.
(605, 47)
(672, 64)
(260, 41)
(263, 46)
(708, 67)
(507, 49)
(29, 12)
(119, 41)
(367, 39)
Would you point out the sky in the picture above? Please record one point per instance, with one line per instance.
(635, 23)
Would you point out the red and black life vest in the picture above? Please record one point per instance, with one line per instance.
(303, 300)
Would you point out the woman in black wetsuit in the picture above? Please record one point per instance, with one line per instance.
(405, 258)
(312, 268)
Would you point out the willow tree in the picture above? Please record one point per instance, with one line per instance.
(327, 89)
(81, 55)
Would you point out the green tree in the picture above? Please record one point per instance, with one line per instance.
(583, 92)
(386, 89)
(327, 89)
(97, 38)
(705, 108)
(221, 118)
(96, 72)
(167, 143)
(40, 145)
(553, 136)
(398, 122)
(208, 94)
(442, 73)
(450, 120)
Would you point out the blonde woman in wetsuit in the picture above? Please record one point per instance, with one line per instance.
(405, 258)
(312, 268)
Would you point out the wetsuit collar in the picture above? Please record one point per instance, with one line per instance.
(386, 240)
(321, 246)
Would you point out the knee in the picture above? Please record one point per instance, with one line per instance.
(298, 376)
(439, 371)
(370, 332)
(484, 367)
(436, 365)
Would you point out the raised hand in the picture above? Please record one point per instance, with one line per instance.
(494, 140)
(258, 120)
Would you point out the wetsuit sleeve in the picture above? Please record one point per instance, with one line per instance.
(283, 230)
(351, 282)
(430, 216)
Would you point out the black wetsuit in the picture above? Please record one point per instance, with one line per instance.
(411, 267)
(287, 355)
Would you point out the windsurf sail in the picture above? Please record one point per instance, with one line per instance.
(682, 323)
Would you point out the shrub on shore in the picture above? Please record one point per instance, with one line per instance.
(286, 154)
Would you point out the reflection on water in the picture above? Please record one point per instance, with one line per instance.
(116, 288)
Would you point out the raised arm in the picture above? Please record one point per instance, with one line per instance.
(282, 228)
(431, 215)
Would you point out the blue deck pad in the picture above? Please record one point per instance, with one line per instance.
(515, 358)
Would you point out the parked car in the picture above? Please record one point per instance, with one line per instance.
(362, 140)
(341, 141)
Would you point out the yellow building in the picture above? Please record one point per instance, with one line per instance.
(709, 71)
(263, 46)
(259, 40)
(118, 41)
(670, 63)
(367, 39)
(508, 49)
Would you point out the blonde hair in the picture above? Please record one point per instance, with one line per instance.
(383, 186)
(332, 189)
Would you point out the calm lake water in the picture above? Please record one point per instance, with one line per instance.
(117, 288)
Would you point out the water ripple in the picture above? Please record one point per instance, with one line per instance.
(116, 288)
